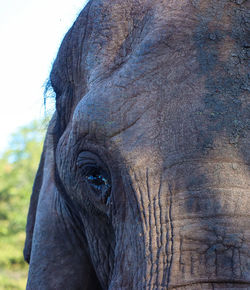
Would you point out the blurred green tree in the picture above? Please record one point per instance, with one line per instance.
(18, 165)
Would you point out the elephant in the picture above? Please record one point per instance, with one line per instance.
(144, 180)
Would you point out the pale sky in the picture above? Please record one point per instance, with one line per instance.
(30, 34)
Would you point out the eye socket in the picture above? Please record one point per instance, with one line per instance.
(95, 174)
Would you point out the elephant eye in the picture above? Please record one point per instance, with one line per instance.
(96, 177)
(99, 182)
(95, 174)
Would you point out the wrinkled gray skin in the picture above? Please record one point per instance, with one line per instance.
(154, 95)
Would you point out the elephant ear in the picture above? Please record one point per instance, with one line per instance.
(32, 209)
(36, 191)
(55, 246)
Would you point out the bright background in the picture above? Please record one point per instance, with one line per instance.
(30, 34)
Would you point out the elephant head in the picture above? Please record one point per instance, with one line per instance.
(144, 177)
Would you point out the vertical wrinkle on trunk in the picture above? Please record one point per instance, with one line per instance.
(157, 237)
(150, 226)
(138, 192)
(145, 257)
(158, 228)
(168, 242)
(160, 232)
(171, 238)
(129, 266)
(141, 201)
(142, 221)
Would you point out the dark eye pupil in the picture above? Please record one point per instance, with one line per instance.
(97, 178)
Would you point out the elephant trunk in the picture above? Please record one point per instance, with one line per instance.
(188, 234)
(145, 255)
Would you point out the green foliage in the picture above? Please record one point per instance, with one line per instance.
(18, 165)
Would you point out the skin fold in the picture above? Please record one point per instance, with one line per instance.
(144, 177)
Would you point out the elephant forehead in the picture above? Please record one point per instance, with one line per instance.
(107, 34)
(138, 120)
(162, 85)
(109, 111)
(131, 99)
